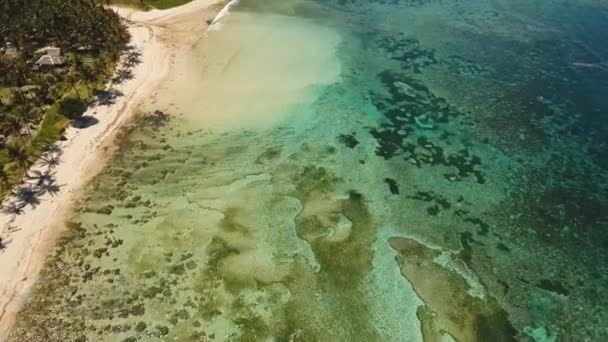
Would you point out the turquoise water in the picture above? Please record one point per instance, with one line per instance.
(354, 171)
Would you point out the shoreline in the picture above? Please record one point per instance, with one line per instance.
(30, 235)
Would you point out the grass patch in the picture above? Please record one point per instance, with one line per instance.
(59, 117)
(5, 94)
(163, 4)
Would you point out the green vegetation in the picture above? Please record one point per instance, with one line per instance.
(160, 4)
(38, 101)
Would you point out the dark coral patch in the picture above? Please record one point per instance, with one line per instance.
(553, 286)
(440, 202)
(349, 140)
(411, 111)
(393, 186)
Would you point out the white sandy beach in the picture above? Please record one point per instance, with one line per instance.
(30, 236)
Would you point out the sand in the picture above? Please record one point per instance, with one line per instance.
(29, 236)
(242, 70)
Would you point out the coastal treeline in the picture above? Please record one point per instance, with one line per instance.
(54, 56)
(147, 4)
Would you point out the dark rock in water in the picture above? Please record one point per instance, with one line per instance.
(389, 140)
(392, 185)
(271, 154)
(484, 228)
(408, 51)
(156, 119)
(99, 252)
(190, 265)
(553, 286)
(107, 210)
(433, 210)
(181, 315)
(465, 215)
(138, 310)
(149, 274)
(151, 292)
(349, 140)
(505, 286)
(429, 196)
(178, 269)
(161, 330)
(503, 247)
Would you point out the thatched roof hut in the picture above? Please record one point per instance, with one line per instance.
(49, 50)
(51, 57)
(50, 61)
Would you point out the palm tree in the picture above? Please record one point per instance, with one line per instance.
(17, 72)
(4, 178)
(41, 89)
(73, 79)
(26, 114)
(11, 123)
(19, 154)
(86, 71)
(100, 67)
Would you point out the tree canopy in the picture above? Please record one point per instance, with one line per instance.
(70, 25)
(37, 103)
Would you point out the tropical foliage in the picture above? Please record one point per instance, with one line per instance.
(37, 104)
(145, 4)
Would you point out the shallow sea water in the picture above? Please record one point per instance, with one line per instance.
(327, 170)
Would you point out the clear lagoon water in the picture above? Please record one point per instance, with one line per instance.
(344, 170)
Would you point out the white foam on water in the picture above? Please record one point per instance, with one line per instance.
(216, 23)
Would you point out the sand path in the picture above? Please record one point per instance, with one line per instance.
(30, 235)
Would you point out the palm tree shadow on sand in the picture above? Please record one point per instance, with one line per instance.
(85, 121)
(130, 58)
(37, 184)
(4, 243)
(108, 97)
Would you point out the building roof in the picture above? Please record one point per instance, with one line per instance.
(10, 52)
(50, 50)
(48, 60)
